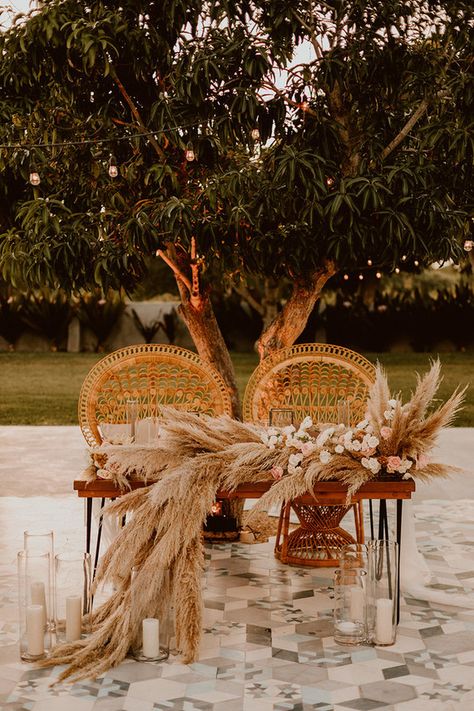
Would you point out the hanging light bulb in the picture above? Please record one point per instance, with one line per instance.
(361, 276)
(468, 245)
(189, 153)
(255, 134)
(369, 262)
(113, 169)
(416, 263)
(379, 275)
(346, 277)
(397, 271)
(329, 182)
(34, 177)
(404, 257)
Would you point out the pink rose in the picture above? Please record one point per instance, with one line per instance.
(306, 448)
(276, 472)
(392, 464)
(385, 432)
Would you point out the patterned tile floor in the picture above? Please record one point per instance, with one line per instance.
(267, 640)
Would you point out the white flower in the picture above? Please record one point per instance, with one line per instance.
(324, 436)
(362, 425)
(404, 466)
(392, 403)
(339, 449)
(288, 430)
(356, 445)
(371, 463)
(272, 432)
(388, 414)
(295, 460)
(348, 435)
(324, 456)
(372, 441)
(272, 441)
(307, 422)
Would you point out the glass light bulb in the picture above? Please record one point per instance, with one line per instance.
(361, 276)
(468, 245)
(397, 271)
(378, 275)
(113, 170)
(34, 178)
(189, 155)
(346, 277)
(369, 262)
(255, 133)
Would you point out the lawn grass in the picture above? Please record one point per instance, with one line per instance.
(42, 388)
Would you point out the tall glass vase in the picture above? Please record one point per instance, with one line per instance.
(35, 605)
(383, 591)
(350, 612)
(73, 575)
(150, 618)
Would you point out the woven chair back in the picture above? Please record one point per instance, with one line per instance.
(310, 379)
(153, 375)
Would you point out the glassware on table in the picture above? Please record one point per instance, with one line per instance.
(350, 609)
(132, 418)
(73, 576)
(281, 417)
(383, 571)
(344, 413)
(35, 604)
(150, 621)
(37, 542)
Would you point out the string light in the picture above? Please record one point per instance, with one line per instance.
(346, 277)
(369, 262)
(378, 275)
(416, 263)
(361, 276)
(255, 134)
(468, 245)
(189, 153)
(329, 182)
(113, 169)
(34, 177)
(397, 271)
(404, 258)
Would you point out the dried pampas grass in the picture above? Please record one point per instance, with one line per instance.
(198, 456)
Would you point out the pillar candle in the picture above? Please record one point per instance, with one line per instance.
(35, 629)
(151, 637)
(38, 597)
(357, 604)
(383, 621)
(73, 618)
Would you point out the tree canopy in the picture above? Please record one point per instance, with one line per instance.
(325, 135)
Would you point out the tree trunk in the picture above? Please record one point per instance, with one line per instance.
(199, 317)
(270, 302)
(290, 322)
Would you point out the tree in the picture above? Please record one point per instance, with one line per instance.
(361, 153)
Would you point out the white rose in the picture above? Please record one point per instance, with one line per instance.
(348, 435)
(356, 446)
(392, 403)
(288, 430)
(362, 425)
(374, 465)
(272, 441)
(324, 436)
(272, 432)
(339, 449)
(388, 414)
(324, 456)
(365, 462)
(295, 460)
(372, 441)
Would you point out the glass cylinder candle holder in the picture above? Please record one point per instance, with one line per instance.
(132, 418)
(350, 613)
(353, 555)
(73, 576)
(383, 591)
(281, 417)
(150, 619)
(35, 605)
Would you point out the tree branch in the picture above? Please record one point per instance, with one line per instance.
(135, 112)
(314, 40)
(195, 292)
(245, 293)
(176, 271)
(422, 108)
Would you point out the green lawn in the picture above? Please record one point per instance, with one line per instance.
(42, 388)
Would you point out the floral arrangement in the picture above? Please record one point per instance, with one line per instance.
(197, 456)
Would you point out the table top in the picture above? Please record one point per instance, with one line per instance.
(327, 492)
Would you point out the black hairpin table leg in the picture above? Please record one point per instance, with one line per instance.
(99, 536)
(88, 516)
(399, 541)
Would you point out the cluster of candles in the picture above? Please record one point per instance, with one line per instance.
(50, 607)
(365, 591)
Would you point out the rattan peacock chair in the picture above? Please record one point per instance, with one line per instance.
(153, 375)
(311, 379)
